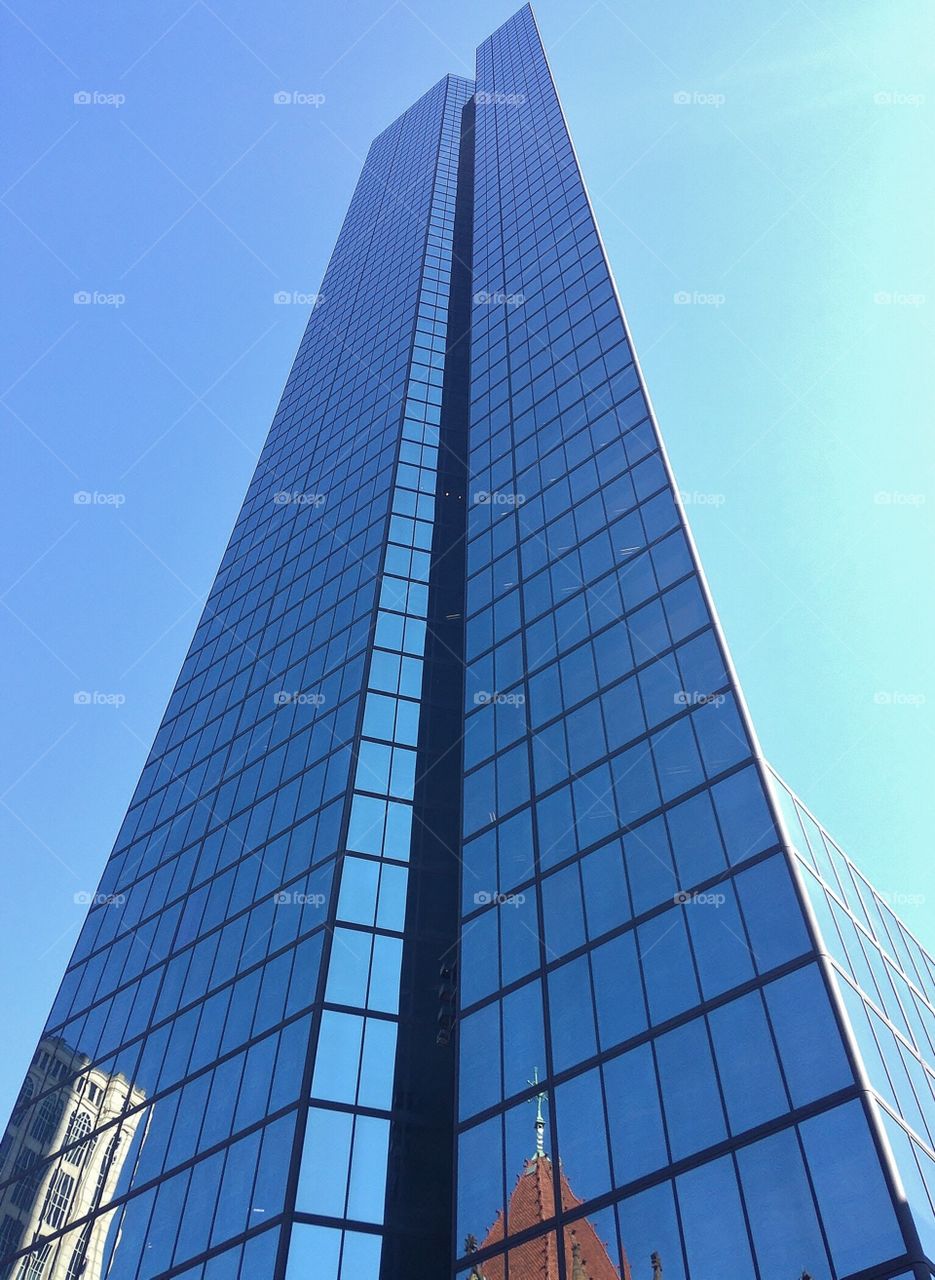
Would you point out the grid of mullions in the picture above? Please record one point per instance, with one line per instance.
(193, 980)
(607, 773)
(344, 1161)
(884, 978)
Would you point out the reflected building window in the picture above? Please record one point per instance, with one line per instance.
(55, 1172)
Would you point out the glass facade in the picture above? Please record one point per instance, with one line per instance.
(457, 925)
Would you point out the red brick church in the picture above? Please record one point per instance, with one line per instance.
(533, 1201)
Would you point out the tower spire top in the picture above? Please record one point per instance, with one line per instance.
(539, 1098)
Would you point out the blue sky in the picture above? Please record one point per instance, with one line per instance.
(759, 173)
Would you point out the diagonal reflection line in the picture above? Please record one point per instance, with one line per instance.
(366, 31)
(35, 835)
(197, 399)
(639, 39)
(554, 43)
(723, 74)
(38, 360)
(74, 927)
(840, 156)
(157, 557)
(38, 560)
(639, 159)
(39, 159)
(48, 48)
(45, 444)
(199, 200)
(253, 53)
(35, 635)
(431, 30)
(147, 51)
(159, 639)
(37, 761)
(36, 236)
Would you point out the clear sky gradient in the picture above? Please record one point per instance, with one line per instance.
(761, 176)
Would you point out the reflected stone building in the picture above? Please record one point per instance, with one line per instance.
(60, 1161)
(456, 782)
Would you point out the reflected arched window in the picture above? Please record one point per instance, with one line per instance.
(47, 1118)
(79, 1126)
(28, 1172)
(25, 1097)
(58, 1198)
(34, 1265)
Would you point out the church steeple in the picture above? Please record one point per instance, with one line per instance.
(540, 1122)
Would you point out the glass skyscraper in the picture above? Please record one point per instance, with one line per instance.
(457, 926)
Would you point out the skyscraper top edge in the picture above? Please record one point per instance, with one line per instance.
(524, 10)
(447, 79)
